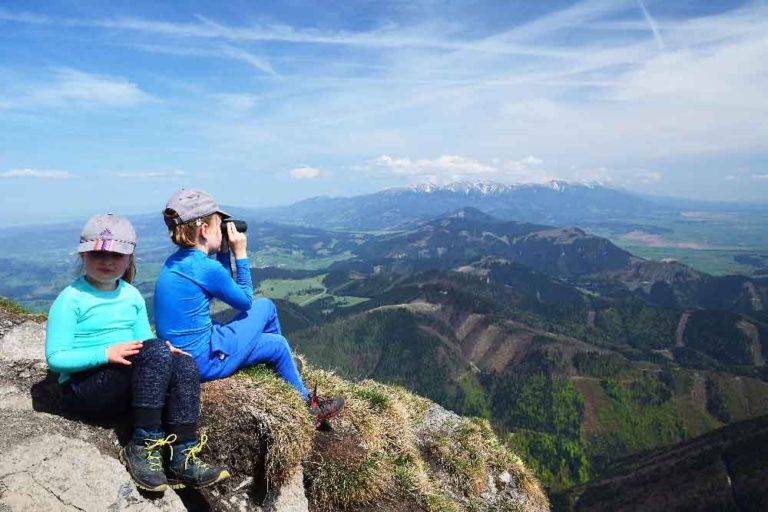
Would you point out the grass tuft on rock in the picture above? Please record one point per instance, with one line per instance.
(257, 425)
(387, 450)
(11, 307)
(379, 452)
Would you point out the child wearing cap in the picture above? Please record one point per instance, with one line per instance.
(189, 280)
(99, 341)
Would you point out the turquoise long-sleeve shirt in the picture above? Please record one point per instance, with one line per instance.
(187, 283)
(84, 321)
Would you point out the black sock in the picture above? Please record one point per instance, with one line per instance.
(148, 419)
(183, 433)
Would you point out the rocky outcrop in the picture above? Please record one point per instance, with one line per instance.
(390, 450)
(51, 461)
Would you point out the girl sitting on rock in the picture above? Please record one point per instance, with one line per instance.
(99, 341)
(190, 279)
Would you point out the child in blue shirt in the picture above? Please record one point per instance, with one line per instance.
(188, 282)
(99, 341)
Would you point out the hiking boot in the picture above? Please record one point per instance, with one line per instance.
(323, 409)
(144, 461)
(187, 470)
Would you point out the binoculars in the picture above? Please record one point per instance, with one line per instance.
(240, 226)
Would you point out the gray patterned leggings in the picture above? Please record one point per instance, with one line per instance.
(159, 387)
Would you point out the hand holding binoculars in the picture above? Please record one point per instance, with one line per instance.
(240, 225)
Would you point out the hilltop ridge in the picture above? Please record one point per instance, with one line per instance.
(390, 450)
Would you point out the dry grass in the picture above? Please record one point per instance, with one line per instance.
(373, 458)
(257, 426)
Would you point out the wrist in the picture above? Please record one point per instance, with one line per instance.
(241, 255)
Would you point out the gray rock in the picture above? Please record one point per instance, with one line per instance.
(54, 472)
(13, 398)
(25, 341)
(435, 419)
(291, 497)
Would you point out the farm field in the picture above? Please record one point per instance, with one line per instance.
(303, 291)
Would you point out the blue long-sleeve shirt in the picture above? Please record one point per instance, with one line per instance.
(187, 282)
(84, 321)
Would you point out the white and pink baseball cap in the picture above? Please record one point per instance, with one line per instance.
(108, 232)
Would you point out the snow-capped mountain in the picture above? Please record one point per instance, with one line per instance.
(493, 188)
(556, 202)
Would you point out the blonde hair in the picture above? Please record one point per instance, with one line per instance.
(130, 273)
(185, 234)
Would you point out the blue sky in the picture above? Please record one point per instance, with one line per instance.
(114, 105)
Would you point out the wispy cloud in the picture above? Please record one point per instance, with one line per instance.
(217, 51)
(254, 61)
(651, 24)
(206, 28)
(584, 88)
(70, 87)
(305, 173)
(150, 174)
(449, 168)
(36, 173)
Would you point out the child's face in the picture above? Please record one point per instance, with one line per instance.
(212, 233)
(105, 266)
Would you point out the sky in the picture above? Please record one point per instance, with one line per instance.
(112, 106)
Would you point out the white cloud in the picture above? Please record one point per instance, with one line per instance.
(450, 168)
(609, 99)
(36, 173)
(237, 102)
(70, 87)
(760, 176)
(305, 173)
(150, 174)
(647, 177)
(531, 160)
(445, 164)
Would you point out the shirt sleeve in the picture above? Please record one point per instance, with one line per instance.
(141, 329)
(237, 293)
(60, 340)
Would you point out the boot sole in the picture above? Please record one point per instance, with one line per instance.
(319, 421)
(178, 484)
(157, 488)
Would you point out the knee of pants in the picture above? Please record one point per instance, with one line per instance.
(266, 302)
(282, 348)
(185, 369)
(156, 350)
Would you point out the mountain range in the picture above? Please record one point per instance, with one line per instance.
(494, 301)
(579, 352)
(557, 202)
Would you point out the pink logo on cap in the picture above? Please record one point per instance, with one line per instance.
(104, 242)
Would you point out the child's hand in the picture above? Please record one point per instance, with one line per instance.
(237, 241)
(117, 353)
(175, 350)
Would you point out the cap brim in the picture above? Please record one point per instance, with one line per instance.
(225, 214)
(106, 246)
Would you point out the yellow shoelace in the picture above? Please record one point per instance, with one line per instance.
(153, 450)
(192, 451)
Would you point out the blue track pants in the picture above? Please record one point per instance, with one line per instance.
(257, 338)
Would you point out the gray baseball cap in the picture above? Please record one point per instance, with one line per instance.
(108, 233)
(191, 204)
